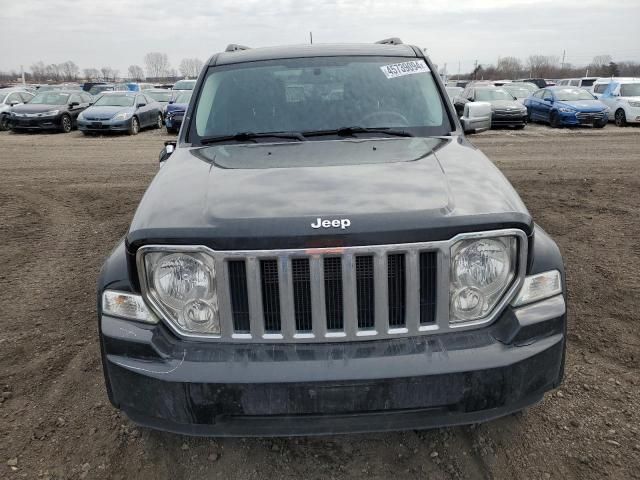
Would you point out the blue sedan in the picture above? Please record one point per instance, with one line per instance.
(566, 106)
(121, 112)
(174, 112)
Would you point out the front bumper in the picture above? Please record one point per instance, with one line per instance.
(34, 123)
(583, 118)
(200, 388)
(508, 120)
(104, 125)
(174, 121)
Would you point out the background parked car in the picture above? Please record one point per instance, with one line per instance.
(539, 82)
(108, 87)
(622, 96)
(10, 97)
(453, 92)
(138, 87)
(584, 82)
(57, 109)
(520, 90)
(184, 85)
(566, 106)
(175, 110)
(160, 95)
(505, 109)
(121, 112)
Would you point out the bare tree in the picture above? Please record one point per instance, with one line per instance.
(136, 73)
(190, 67)
(542, 65)
(52, 72)
(601, 60)
(509, 67)
(69, 71)
(38, 71)
(91, 74)
(157, 64)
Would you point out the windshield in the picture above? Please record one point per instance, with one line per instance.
(159, 96)
(531, 87)
(488, 94)
(99, 88)
(3, 96)
(319, 94)
(518, 92)
(50, 98)
(115, 101)
(183, 97)
(572, 94)
(630, 90)
(184, 85)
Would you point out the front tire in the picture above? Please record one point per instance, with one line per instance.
(159, 121)
(134, 126)
(554, 120)
(66, 125)
(621, 118)
(4, 123)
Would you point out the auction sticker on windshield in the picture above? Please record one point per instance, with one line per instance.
(405, 68)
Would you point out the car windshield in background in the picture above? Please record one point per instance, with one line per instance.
(572, 94)
(50, 98)
(518, 92)
(320, 94)
(630, 90)
(183, 98)
(488, 94)
(115, 101)
(160, 96)
(184, 85)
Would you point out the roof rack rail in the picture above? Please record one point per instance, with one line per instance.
(232, 47)
(391, 41)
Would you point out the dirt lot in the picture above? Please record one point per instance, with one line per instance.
(65, 200)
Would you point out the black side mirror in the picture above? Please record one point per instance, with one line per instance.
(165, 153)
(13, 104)
(140, 105)
(171, 101)
(73, 104)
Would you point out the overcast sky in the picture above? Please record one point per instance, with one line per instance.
(118, 33)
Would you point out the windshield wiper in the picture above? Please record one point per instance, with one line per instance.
(350, 131)
(240, 136)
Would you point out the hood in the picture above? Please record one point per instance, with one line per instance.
(176, 107)
(583, 105)
(105, 112)
(505, 104)
(268, 195)
(36, 108)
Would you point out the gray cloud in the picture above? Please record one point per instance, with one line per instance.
(119, 32)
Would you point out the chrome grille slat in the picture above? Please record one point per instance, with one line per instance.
(285, 280)
(349, 295)
(412, 319)
(319, 315)
(254, 285)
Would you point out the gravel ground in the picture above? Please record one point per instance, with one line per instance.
(66, 200)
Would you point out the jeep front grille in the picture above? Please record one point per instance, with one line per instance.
(352, 293)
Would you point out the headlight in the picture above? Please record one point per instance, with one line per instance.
(122, 116)
(51, 113)
(481, 272)
(634, 104)
(567, 110)
(182, 286)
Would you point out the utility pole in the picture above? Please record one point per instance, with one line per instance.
(564, 52)
(458, 69)
(311, 37)
(475, 69)
(22, 75)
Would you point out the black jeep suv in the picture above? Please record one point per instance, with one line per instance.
(323, 251)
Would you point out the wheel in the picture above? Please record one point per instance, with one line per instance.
(4, 123)
(554, 120)
(134, 126)
(621, 118)
(159, 121)
(66, 124)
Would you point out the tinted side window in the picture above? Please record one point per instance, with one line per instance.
(600, 88)
(26, 96)
(547, 95)
(14, 97)
(75, 98)
(574, 83)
